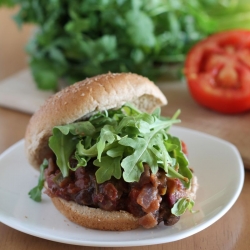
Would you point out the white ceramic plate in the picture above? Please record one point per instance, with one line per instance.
(210, 157)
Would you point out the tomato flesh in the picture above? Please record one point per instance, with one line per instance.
(217, 70)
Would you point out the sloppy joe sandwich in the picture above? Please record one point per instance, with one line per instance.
(105, 155)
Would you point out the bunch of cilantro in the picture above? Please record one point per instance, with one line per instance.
(119, 142)
(78, 39)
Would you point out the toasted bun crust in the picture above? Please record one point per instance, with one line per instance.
(94, 94)
(97, 218)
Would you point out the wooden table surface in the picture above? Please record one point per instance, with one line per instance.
(232, 231)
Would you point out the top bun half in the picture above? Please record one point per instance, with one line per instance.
(103, 92)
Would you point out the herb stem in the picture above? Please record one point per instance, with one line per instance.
(178, 175)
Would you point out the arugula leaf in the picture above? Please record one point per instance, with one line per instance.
(167, 160)
(181, 160)
(108, 167)
(181, 206)
(145, 150)
(82, 161)
(131, 164)
(116, 151)
(64, 141)
(107, 135)
(78, 128)
(157, 112)
(36, 192)
(63, 145)
(130, 110)
(88, 152)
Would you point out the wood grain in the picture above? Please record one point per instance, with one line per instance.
(230, 232)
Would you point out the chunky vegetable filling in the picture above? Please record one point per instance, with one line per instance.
(150, 199)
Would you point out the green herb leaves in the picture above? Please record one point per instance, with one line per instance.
(36, 192)
(182, 205)
(119, 142)
(108, 167)
(64, 140)
(80, 39)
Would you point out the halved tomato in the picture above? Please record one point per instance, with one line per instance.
(217, 71)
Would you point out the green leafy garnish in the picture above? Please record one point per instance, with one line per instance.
(108, 166)
(182, 205)
(78, 39)
(63, 142)
(36, 192)
(119, 142)
(181, 161)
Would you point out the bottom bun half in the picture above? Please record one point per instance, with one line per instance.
(96, 218)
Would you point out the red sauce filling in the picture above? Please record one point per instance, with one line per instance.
(150, 199)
